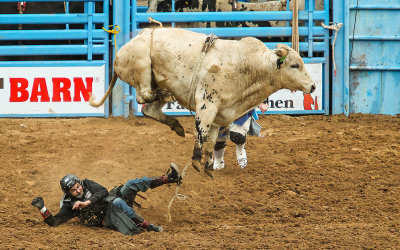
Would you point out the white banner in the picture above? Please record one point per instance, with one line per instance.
(282, 100)
(50, 90)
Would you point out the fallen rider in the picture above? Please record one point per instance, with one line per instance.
(95, 206)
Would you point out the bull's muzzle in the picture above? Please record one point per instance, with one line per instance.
(312, 88)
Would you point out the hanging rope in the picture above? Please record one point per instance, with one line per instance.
(151, 20)
(177, 194)
(114, 31)
(295, 27)
(336, 27)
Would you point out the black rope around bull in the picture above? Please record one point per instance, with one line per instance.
(193, 83)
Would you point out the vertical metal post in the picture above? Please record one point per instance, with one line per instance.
(66, 11)
(134, 24)
(173, 10)
(340, 15)
(311, 8)
(326, 90)
(90, 31)
(106, 11)
(126, 24)
(346, 61)
(118, 93)
(133, 30)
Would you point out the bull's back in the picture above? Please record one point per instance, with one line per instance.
(176, 40)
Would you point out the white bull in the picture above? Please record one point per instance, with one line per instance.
(233, 78)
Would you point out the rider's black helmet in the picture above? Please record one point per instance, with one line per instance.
(68, 181)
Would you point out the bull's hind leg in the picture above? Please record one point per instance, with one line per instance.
(133, 66)
(153, 110)
(209, 151)
(142, 81)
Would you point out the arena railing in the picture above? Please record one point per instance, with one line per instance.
(72, 37)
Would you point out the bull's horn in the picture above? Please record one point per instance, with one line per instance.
(282, 52)
(283, 49)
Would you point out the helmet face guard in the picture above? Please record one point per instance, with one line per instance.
(68, 181)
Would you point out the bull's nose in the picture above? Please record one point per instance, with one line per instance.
(312, 88)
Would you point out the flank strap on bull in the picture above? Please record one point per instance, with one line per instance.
(193, 83)
(115, 30)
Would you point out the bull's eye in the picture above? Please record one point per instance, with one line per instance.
(295, 66)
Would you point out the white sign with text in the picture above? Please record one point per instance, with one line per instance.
(50, 90)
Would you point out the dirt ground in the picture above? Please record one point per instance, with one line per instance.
(312, 182)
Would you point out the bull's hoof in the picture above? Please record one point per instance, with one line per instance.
(196, 165)
(179, 131)
(209, 172)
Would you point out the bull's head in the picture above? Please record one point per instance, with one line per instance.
(293, 73)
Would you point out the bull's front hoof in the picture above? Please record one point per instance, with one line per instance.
(177, 127)
(179, 131)
(209, 172)
(196, 165)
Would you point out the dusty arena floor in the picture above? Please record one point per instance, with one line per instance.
(312, 182)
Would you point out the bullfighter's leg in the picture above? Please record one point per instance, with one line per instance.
(219, 151)
(209, 151)
(154, 110)
(205, 114)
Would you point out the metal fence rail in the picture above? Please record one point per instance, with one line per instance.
(56, 40)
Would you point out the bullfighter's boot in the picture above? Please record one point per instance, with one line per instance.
(241, 155)
(219, 159)
(172, 176)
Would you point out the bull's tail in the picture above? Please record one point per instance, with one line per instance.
(110, 87)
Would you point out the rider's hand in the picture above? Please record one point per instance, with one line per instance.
(38, 202)
(81, 204)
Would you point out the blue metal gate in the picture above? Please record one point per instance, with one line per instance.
(314, 46)
(368, 56)
(50, 62)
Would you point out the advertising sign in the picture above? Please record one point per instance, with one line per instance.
(50, 91)
(281, 101)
